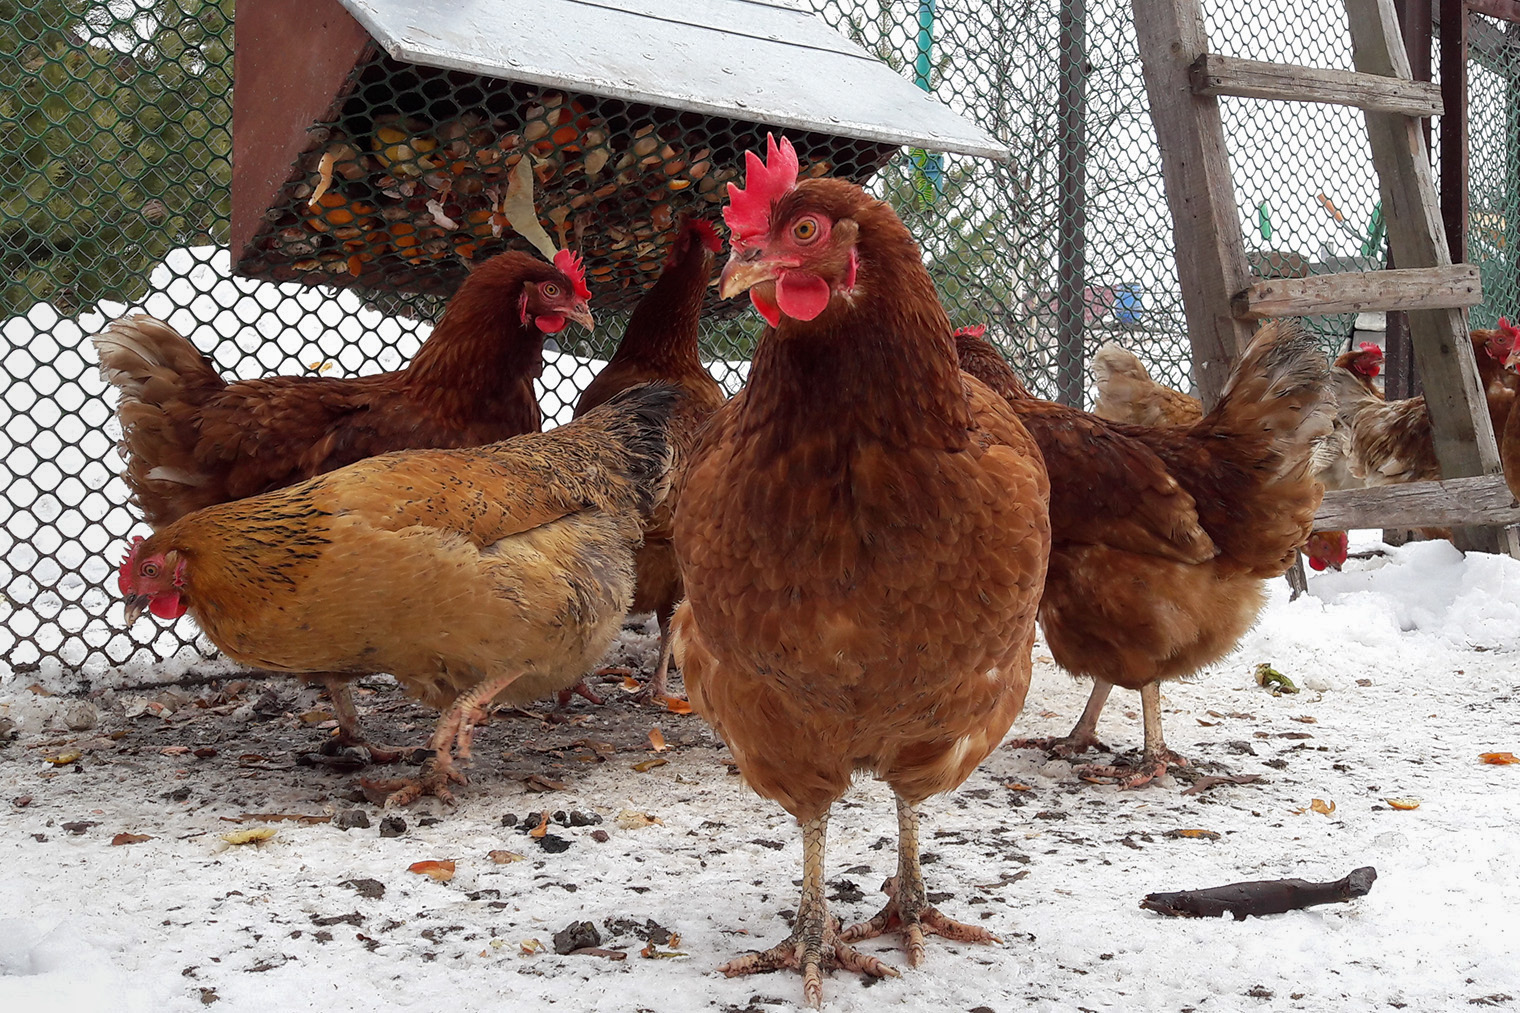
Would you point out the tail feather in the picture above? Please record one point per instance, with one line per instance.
(164, 381)
(1280, 389)
(1126, 392)
(1112, 361)
(638, 419)
(150, 361)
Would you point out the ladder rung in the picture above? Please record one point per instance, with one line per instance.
(1213, 74)
(1416, 288)
(1483, 499)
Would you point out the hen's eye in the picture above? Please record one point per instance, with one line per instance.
(550, 290)
(805, 230)
(150, 569)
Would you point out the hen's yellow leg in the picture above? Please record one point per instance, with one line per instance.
(908, 911)
(815, 944)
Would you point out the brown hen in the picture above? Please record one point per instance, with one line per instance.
(1162, 536)
(191, 439)
(497, 572)
(660, 344)
(1126, 393)
(863, 532)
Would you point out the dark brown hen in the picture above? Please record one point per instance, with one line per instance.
(660, 344)
(1162, 536)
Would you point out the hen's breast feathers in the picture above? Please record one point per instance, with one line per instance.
(860, 611)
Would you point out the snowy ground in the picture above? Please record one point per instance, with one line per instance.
(1407, 668)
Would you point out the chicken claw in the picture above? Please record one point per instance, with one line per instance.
(815, 944)
(562, 699)
(908, 911)
(1157, 757)
(1064, 747)
(437, 773)
(456, 727)
(349, 733)
(912, 918)
(1081, 738)
(1147, 770)
(811, 949)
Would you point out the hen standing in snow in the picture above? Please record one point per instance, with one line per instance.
(1163, 535)
(503, 570)
(660, 344)
(863, 532)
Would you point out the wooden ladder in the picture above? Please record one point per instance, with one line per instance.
(1222, 301)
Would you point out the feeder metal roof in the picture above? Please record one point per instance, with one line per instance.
(763, 61)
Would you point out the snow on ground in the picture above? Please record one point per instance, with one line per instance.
(1407, 666)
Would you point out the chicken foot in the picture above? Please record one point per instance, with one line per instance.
(1081, 738)
(456, 729)
(908, 911)
(563, 697)
(349, 732)
(657, 688)
(1156, 760)
(816, 944)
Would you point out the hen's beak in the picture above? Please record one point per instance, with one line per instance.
(744, 271)
(135, 603)
(581, 314)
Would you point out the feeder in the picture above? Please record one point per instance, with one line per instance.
(385, 143)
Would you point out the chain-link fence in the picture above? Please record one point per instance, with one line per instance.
(115, 141)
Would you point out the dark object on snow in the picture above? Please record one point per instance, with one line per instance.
(553, 844)
(350, 818)
(1260, 897)
(392, 826)
(575, 936)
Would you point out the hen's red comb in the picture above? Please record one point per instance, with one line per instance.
(1370, 347)
(124, 575)
(1509, 331)
(972, 331)
(571, 267)
(749, 210)
(705, 233)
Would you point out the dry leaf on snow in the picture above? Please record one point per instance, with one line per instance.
(543, 825)
(657, 739)
(540, 783)
(530, 947)
(1208, 781)
(630, 819)
(64, 759)
(131, 838)
(505, 857)
(1403, 803)
(442, 871)
(648, 765)
(1499, 758)
(253, 835)
(1318, 805)
(676, 705)
(650, 952)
